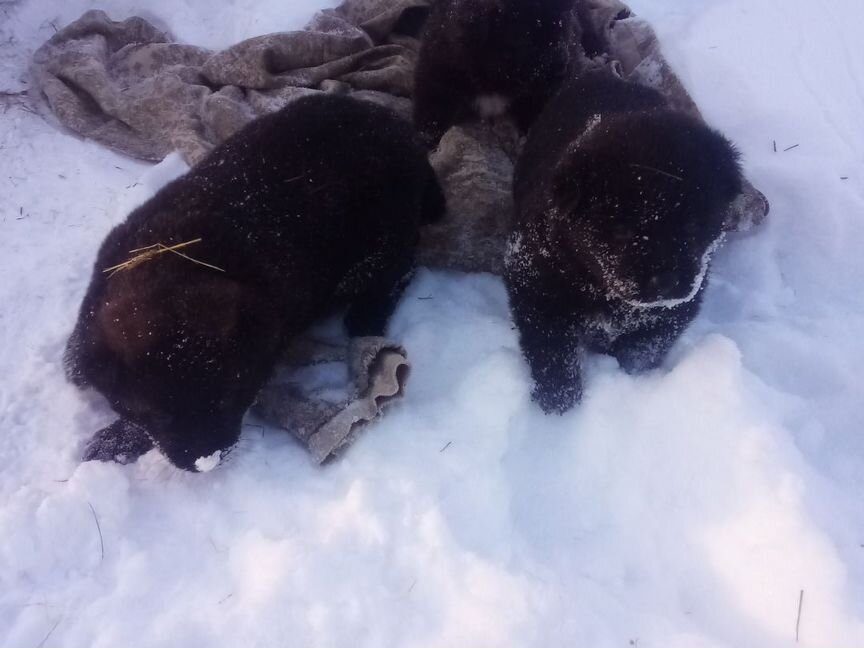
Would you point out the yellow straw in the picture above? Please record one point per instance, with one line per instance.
(144, 254)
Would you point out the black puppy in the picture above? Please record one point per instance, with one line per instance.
(303, 210)
(485, 57)
(620, 202)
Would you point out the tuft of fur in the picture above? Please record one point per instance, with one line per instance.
(311, 208)
(479, 58)
(620, 202)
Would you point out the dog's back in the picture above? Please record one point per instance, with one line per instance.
(577, 108)
(304, 209)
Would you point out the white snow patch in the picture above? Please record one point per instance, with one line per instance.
(208, 463)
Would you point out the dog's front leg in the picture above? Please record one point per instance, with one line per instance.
(550, 343)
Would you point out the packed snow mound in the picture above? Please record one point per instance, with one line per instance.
(686, 508)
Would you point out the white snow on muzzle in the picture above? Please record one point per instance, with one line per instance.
(694, 289)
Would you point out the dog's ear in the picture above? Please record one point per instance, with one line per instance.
(727, 181)
(702, 155)
(228, 315)
(728, 166)
(229, 312)
(209, 305)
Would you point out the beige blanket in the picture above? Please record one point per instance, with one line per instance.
(129, 86)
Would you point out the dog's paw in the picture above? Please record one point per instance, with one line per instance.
(557, 399)
(122, 442)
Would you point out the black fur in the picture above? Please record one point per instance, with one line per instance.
(516, 49)
(306, 209)
(619, 199)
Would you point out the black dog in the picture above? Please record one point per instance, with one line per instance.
(485, 57)
(620, 202)
(306, 209)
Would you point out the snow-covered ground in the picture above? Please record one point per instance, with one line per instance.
(688, 508)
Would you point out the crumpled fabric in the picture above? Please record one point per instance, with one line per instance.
(129, 86)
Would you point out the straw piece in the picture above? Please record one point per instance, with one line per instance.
(144, 254)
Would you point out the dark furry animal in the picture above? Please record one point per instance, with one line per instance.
(482, 57)
(306, 209)
(596, 19)
(620, 202)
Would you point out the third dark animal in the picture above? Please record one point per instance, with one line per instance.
(620, 203)
(480, 58)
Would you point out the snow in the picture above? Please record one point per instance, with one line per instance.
(686, 508)
(208, 463)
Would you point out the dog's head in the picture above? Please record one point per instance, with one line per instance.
(179, 355)
(516, 40)
(640, 200)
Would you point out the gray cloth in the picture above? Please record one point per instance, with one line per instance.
(377, 370)
(475, 166)
(128, 86)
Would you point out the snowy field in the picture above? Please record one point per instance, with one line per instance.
(688, 508)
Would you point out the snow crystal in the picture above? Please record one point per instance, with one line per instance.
(591, 125)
